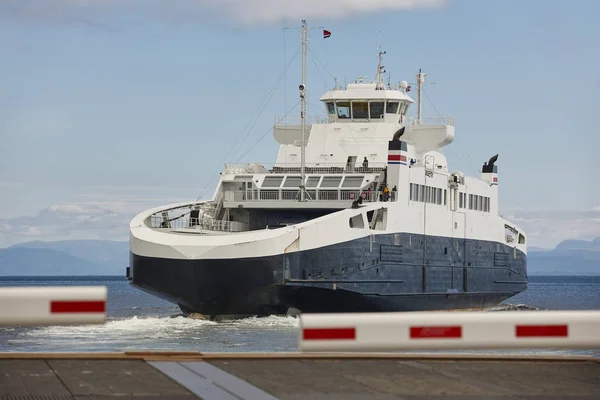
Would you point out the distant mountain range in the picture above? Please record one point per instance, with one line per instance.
(569, 257)
(67, 257)
(104, 257)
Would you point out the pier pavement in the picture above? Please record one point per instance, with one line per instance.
(292, 376)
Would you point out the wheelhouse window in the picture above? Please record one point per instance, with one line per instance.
(403, 108)
(343, 110)
(376, 108)
(331, 108)
(360, 110)
(392, 107)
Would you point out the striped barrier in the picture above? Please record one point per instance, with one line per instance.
(52, 305)
(445, 330)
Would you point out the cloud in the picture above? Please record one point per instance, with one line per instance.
(548, 228)
(94, 12)
(99, 214)
(253, 11)
(65, 221)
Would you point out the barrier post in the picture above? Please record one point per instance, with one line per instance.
(449, 330)
(66, 305)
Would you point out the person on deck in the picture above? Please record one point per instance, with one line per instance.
(365, 164)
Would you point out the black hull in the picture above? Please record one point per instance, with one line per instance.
(387, 274)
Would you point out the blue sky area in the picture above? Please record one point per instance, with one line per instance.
(120, 106)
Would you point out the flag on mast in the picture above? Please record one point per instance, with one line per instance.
(326, 33)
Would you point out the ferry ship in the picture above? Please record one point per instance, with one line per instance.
(360, 212)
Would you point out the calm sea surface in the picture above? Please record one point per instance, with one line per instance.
(138, 321)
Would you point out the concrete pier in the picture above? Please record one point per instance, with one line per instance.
(269, 376)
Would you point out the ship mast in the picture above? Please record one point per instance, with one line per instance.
(302, 88)
(420, 81)
(380, 67)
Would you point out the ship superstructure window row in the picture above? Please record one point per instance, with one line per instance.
(366, 109)
(428, 194)
(476, 202)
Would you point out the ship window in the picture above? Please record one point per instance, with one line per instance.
(243, 178)
(272, 181)
(521, 238)
(292, 181)
(370, 215)
(392, 107)
(360, 110)
(380, 220)
(343, 110)
(357, 222)
(376, 108)
(445, 196)
(439, 196)
(352, 181)
(313, 181)
(460, 200)
(331, 181)
(331, 108)
(403, 108)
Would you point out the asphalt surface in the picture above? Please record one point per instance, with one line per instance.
(264, 378)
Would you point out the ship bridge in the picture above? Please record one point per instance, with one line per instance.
(367, 102)
(358, 103)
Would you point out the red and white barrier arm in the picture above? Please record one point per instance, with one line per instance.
(449, 330)
(52, 305)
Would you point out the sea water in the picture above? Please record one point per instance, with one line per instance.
(139, 321)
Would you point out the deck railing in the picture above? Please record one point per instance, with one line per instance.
(309, 168)
(296, 121)
(185, 221)
(287, 195)
(445, 120)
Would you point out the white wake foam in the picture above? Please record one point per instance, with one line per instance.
(148, 328)
(513, 307)
(264, 322)
(156, 328)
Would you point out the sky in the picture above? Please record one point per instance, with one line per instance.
(110, 107)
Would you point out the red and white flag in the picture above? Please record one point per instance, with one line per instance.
(326, 33)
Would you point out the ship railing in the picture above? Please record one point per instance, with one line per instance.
(346, 195)
(296, 121)
(309, 168)
(444, 120)
(202, 224)
(182, 218)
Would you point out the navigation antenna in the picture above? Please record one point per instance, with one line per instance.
(380, 67)
(302, 88)
(420, 80)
